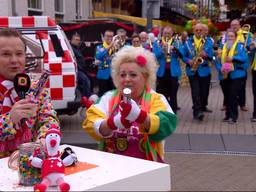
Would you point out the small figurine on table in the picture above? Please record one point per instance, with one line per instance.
(52, 167)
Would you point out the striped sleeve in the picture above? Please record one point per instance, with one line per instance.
(7, 127)
(162, 119)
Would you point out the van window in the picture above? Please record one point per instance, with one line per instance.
(34, 53)
(68, 44)
(56, 45)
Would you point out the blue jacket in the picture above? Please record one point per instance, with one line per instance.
(175, 69)
(103, 56)
(240, 60)
(189, 52)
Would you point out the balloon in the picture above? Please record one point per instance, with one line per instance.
(210, 23)
(193, 22)
(156, 31)
(204, 21)
(188, 26)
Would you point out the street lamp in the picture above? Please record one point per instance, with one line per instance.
(149, 16)
(152, 11)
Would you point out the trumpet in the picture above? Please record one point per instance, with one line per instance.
(176, 42)
(118, 43)
(167, 49)
(169, 42)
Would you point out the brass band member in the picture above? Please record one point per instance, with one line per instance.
(135, 39)
(245, 38)
(104, 54)
(144, 40)
(242, 36)
(232, 65)
(253, 68)
(121, 33)
(198, 51)
(168, 52)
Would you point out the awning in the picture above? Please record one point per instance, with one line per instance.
(138, 20)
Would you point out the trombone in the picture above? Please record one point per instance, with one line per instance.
(246, 29)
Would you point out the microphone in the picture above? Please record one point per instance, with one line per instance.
(21, 84)
(127, 95)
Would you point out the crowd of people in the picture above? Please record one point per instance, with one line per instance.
(137, 81)
(201, 53)
(108, 120)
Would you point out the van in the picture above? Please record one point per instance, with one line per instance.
(49, 49)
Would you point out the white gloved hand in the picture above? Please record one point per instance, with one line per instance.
(132, 112)
(118, 122)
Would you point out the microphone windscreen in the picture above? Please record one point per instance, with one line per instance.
(21, 84)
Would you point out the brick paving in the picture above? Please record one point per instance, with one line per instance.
(212, 172)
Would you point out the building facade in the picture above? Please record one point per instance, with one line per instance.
(60, 10)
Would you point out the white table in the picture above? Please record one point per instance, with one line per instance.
(113, 172)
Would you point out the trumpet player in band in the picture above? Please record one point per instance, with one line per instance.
(197, 53)
(104, 53)
(121, 33)
(132, 120)
(168, 52)
(231, 68)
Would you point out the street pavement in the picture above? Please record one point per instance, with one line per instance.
(212, 172)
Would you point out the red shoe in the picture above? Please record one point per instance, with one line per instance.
(40, 188)
(64, 187)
